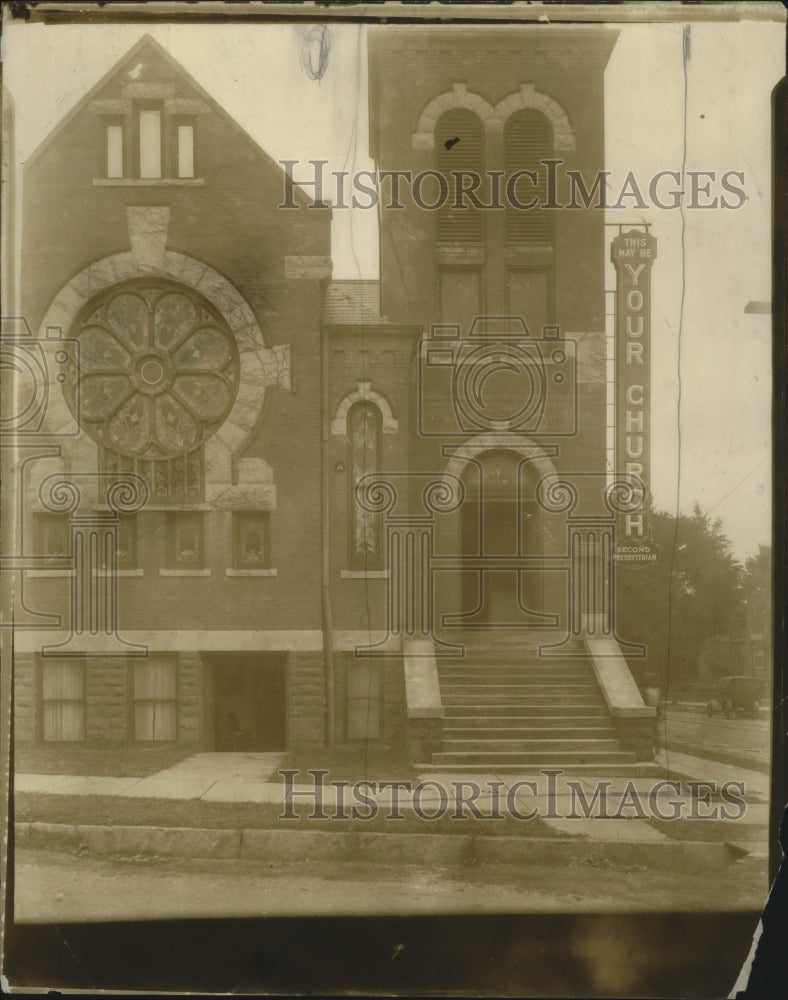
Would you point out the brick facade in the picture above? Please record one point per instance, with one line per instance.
(222, 235)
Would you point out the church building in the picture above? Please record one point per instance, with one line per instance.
(264, 509)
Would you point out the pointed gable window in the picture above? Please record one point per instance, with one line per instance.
(114, 137)
(184, 149)
(150, 142)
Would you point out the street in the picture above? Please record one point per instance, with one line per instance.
(61, 887)
(734, 738)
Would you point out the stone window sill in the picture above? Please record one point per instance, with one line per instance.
(43, 573)
(364, 574)
(185, 572)
(119, 572)
(251, 572)
(148, 181)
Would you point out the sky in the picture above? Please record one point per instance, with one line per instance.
(711, 362)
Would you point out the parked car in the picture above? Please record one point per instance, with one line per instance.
(738, 697)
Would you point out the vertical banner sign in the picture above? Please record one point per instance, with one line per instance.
(633, 253)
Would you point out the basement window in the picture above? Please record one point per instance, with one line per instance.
(63, 699)
(363, 701)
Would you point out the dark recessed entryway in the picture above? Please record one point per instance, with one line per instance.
(246, 706)
(500, 522)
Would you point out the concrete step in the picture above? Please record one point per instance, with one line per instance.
(512, 657)
(566, 731)
(469, 708)
(528, 666)
(492, 675)
(568, 768)
(522, 700)
(494, 758)
(536, 640)
(538, 684)
(528, 743)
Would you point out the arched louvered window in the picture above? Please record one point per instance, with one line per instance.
(459, 146)
(364, 425)
(528, 140)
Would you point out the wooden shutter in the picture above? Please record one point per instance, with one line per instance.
(459, 226)
(528, 140)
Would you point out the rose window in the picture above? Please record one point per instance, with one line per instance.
(156, 372)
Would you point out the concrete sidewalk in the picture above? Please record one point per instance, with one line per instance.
(602, 809)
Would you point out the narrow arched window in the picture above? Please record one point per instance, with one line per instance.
(459, 157)
(363, 431)
(528, 141)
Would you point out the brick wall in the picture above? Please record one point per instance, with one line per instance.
(306, 699)
(106, 696)
(394, 704)
(190, 699)
(24, 697)
(232, 223)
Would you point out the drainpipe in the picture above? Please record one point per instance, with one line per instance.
(325, 567)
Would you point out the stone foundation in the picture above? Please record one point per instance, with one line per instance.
(424, 739)
(190, 700)
(24, 697)
(637, 735)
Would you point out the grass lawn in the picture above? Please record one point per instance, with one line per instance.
(107, 810)
(112, 762)
(346, 763)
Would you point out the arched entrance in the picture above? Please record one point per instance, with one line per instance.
(500, 523)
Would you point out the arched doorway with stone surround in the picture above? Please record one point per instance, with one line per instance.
(498, 540)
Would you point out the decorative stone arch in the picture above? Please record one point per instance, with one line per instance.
(260, 366)
(538, 455)
(529, 97)
(458, 97)
(364, 393)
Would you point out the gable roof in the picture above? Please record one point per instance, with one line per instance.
(148, 45)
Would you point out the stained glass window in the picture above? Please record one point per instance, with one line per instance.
(185, 540)
(157, 373)
(251, 540)
(364, 424)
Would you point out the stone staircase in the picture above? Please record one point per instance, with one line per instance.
(508, 710)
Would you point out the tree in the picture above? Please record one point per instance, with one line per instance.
(757, 591)
(692, 594)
